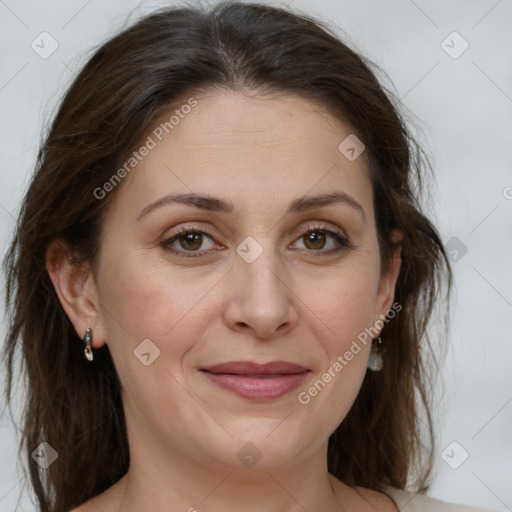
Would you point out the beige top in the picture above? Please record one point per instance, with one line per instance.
(412, 502)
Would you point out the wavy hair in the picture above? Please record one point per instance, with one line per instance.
(128, 83)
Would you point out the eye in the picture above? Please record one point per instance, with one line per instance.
(316, 238)
(188, 241)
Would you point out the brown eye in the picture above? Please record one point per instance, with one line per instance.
(187, 242)
(323, 241)
(191, 241)
(314, 240)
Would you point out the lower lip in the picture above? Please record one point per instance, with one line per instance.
(257, 387)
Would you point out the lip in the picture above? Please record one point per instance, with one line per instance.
(252, 368)
(256, 381)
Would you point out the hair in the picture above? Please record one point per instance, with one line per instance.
(123, 90)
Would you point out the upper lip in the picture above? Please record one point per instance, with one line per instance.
(252, 368)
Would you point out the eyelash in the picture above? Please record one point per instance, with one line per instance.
(342, 241)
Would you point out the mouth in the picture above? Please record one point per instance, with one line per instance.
(256, 381)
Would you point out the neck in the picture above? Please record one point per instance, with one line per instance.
(177, 483)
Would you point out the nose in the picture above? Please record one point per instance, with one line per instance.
(260, 302)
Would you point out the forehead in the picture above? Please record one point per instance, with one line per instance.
(246, 148)
(228, 120)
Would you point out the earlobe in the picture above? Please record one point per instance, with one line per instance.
(75, 289)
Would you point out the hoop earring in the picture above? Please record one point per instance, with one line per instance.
(88, 344)
(375, 361)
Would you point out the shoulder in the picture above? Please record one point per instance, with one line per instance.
(110, 499)
(412, 502)
(88, 506)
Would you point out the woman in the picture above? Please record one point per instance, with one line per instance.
(221, 279)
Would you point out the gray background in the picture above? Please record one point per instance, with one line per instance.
(463, 108)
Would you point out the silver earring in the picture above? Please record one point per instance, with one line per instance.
(88, 344)
(375, 361)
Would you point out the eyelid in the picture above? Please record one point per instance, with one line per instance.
(321, 225)
(186, 229)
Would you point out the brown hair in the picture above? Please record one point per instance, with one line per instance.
(126, 86)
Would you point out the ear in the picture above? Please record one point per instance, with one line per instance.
(76, 289)
(388, 279)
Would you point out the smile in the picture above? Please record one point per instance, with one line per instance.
(257, 381)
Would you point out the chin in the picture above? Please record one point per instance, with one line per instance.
(259, 446)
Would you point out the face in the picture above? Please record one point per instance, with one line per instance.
(255, 273)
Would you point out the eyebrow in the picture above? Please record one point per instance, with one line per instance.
(214, 204)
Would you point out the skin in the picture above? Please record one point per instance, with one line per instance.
(291, 304)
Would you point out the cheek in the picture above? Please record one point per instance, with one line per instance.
(340, 310)
(344, 304)
(149, 304)
(340, 331)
